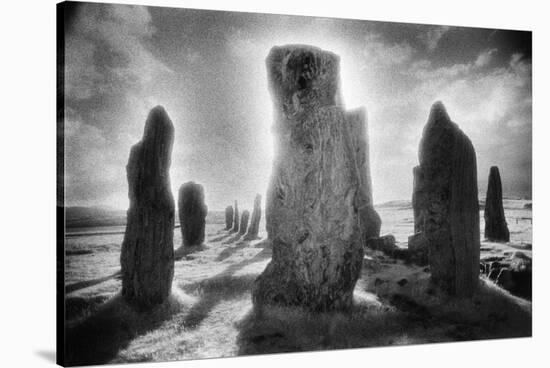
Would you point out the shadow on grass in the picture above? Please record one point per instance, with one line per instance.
(221, 237)
(233, 239)
(399, 320)
(223, 286)
(98, 339)
(183, 251)
(229, 251)
(84, 284)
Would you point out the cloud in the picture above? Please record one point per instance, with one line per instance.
(485, 58)
(107, 49)
(431, 37)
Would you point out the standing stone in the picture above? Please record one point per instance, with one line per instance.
(312, 202)
(447, 179)
(255, 219)
(235, 219)
(147, 254)
(192, 212)
(244, 222)
(370, 221)
(228, 217)
(418, 199)
(496, 228)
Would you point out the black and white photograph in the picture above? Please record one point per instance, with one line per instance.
(241, 183)
(251, 182)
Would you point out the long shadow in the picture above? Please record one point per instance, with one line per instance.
(222, 237)
(222, 286)
(232, 239)
(228, 252)
(98, 339)
(84, 284)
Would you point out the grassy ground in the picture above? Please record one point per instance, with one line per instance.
(210, 312)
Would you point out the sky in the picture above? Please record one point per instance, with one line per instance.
(207, 69)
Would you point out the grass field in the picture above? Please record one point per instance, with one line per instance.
(210, 311)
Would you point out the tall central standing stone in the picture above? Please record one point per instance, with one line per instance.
(147, 254)
(446, 204)
(314, 195)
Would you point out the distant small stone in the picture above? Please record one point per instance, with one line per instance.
(192, 213)
(228, 217)
(236, 218)
(244, 222)
(254, 227)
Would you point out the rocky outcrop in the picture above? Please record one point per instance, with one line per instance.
(236, 218)
(312, 202)
(192, 213)
(244, 222)
(447, 205)
(228, 217)
(496, 228)
(254, 226)
(147, 254)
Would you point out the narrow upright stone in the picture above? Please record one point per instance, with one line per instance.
(235, 218)
(254, 226)
(370, 221)
(312, 202)
(147, 254)
(192, 212)
(228, 217)
(496, 228)
(244, 222)
(448, 206)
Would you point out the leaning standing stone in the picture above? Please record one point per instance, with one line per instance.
(449, 205)
(244, 222)
(147, 254)
(311, 208)
(228, 217)
(255, 219)
(192, 212)
(496, 228)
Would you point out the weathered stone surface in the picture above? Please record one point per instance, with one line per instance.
(244, 222)
(236, 218)
(370, 221)
(448, 206)
(192, 213)
(147, 254)
(418, 249)
(228, 217)
(254, 226)
(496, 228)
(311, 206)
